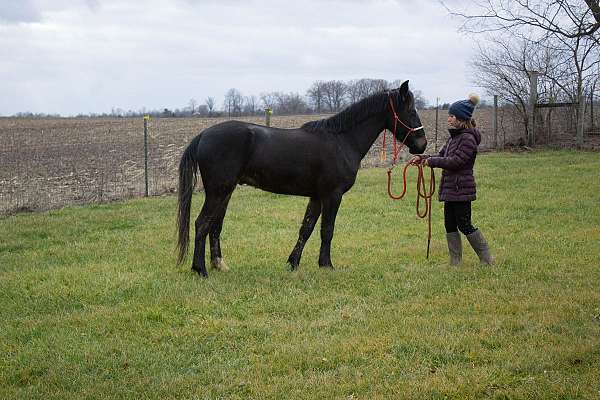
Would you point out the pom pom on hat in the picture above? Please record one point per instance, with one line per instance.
(463, 109)
(474, 98)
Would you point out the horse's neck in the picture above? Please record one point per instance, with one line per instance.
(363, 135)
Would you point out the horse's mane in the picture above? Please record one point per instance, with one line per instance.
(355, 113)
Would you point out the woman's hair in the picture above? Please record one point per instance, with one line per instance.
(466, 124)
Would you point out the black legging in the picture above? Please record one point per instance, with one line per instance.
(457, 216)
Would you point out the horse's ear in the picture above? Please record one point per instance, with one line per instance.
(404, 89)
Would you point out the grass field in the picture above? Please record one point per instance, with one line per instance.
(93, 306)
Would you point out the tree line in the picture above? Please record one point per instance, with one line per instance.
(321, 97)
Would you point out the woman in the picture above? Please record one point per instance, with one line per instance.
(457, 188)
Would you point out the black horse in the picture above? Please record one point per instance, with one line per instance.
(319, 160)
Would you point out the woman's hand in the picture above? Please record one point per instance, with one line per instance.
(416, 160)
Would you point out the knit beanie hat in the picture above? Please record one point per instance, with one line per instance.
(463, 109)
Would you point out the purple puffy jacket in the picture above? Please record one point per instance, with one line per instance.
(457, 158)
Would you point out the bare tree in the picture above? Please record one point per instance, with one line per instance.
(296, 104)
(396, 83)
(502, 69)
(250, 105)
(356, 90)
(210, 104)
(233, 103)
(566, 18)
(335, 92)
(289, 104)
(192, 104)
(360, 88)
(285, 103)
(269, 100)
(420, 101)
(569, 27)
(594, 88)
(316, 96)
(378, 85)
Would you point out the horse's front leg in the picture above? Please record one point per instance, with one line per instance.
(313, 211)
(330, 207)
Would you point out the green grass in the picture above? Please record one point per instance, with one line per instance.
(93, 307)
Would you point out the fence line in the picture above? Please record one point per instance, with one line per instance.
(48, 163)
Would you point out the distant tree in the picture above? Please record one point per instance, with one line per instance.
(335, 94)
(288, 104)
(296, 104)
(360, 88)
(316, 96)
(116, 112)
(269, 100)
(420, 101)
(396, 83)
(192, 104)
(210, 104)
(233, 103)
(250, 105)
(24, 114)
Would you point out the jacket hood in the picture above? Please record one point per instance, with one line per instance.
(476, 134)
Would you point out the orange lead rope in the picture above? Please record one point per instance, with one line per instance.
(421, 193)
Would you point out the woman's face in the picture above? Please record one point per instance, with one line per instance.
(452, 121)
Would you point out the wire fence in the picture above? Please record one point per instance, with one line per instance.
(48, 163)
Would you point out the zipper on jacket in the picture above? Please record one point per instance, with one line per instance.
(447, 147)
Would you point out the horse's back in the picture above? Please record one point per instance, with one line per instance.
(257, 143)
(286, 161)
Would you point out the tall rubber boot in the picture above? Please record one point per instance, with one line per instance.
(454, 248)
(480, 245)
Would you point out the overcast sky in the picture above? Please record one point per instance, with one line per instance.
(82, 56)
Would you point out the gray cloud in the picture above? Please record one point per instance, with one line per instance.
(18, 11)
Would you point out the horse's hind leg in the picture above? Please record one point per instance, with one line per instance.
(216, 260)
(331, 206)
(205, 221)
(313, 210)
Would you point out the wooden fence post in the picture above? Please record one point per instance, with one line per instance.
(533, 97)
(495, 122)
(437, 110)
(146, 118)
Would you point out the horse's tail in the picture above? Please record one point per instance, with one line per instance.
(188, 176)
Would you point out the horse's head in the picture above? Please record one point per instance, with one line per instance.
(404, 120)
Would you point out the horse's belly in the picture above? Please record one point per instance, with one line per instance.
(281, 182)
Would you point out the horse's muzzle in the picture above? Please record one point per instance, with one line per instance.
(418, 146)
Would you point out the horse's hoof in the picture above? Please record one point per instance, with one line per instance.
(293, 267)
(219, 264)
(203, 274)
